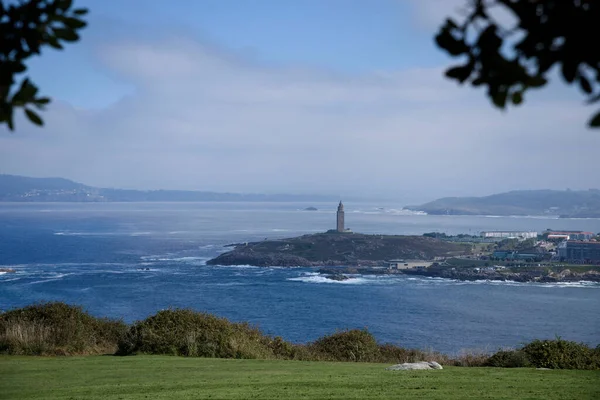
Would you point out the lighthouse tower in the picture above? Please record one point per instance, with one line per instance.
(340, 218)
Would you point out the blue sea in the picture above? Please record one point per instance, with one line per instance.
(129, 260)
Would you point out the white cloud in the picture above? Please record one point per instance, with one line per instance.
(204, 120)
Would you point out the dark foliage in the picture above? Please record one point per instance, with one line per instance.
(189, 333)
(508, 359)
(548, 33)
(25, 28)
(562, 354)
(57, 329)
(61, 329)
(352, 345)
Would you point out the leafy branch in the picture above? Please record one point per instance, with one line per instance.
(510, 62)
(25, 28)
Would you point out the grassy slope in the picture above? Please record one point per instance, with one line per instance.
(319, 247)
(160, 377)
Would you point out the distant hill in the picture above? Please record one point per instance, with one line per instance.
(564, 203)
(25, 189)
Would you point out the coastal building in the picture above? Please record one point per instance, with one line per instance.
(570, 235)
(583, 251)
(402, 264)
(561, 250)
(340, 218)
(509, 234)
(562, 236)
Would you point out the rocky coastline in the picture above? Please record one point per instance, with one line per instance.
(342, 254)
(540, 275)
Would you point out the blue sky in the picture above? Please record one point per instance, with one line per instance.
(342, 36)
(314, 96)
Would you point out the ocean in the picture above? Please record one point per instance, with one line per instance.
(129, 260)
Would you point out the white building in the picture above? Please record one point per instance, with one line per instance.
(510, 234)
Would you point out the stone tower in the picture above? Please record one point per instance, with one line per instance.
(340, 218)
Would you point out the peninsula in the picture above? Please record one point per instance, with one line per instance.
(339, 247)
(340, 252)
(331, 249)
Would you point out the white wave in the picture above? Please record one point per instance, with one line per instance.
(68, 264)
(56, 277)
(69, 233)
(312, 277)
(228, 284)
(578, 284)
(242, 266)
(189, 258)
(10, 280)
(194, 260)
(81, 234)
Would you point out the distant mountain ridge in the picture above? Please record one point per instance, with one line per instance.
(563, 203)
(14, 188)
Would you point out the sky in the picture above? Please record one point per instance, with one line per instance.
(337, 97)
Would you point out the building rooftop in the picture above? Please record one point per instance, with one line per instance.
(569, 232)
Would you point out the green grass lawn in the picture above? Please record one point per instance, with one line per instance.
(161, 377)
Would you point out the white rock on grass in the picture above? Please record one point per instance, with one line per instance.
(416, 365)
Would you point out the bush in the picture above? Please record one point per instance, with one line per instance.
(352, 345)
(188, 333)
(390, 353)
(470, 358)
(57, 328)
(562, 354)
(509, 359)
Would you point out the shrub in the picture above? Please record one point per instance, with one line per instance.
(352, 345)
(508, 359)
(56, 328)
(562, 354)
(470, 358)
(390, 353)
(189, 333)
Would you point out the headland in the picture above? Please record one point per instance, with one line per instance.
(339, 249)
(497, 256)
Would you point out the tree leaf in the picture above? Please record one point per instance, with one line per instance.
(20, 67)
(65, 4)
(68, 35)
(460, 73)
(33, 117)
(9, 120)
(42, 100)
(536, 81)
(499, 98)
(517, 98)
(452, 45)
(74, 23)
(80, 11)
(585, 84)
(569, 70)
(595, 121)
